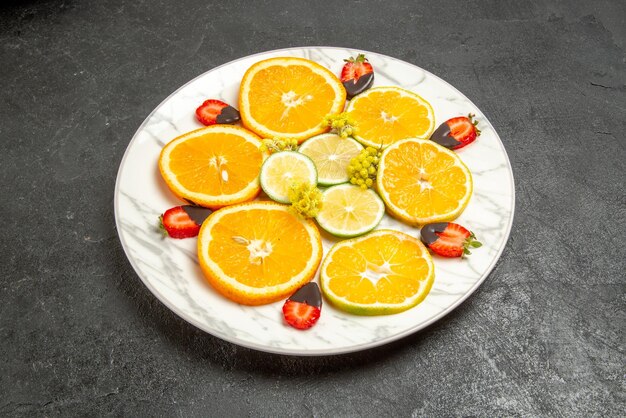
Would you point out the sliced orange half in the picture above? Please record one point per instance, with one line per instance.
(214, 166)
(422, 182)
(383, 272)
(385, 115)
(288, 97)
(258, 252)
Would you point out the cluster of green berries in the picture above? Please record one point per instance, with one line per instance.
(363, 168)
(306, 199)
(341, 124)
(278, 144)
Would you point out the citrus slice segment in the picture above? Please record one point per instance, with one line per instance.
(258, 252)
(284, 169)
(385, 115)
(331, 155)
(383, 272)
(349, 211)
(213, 166)
(422, 182)
(288, 97)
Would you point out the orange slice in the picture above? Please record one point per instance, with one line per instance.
(214, 166)
(288, 97)
(422, 182)
(380, 273)
(385, 115)
(258, 252)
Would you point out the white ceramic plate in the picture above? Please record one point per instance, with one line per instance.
(169, 267)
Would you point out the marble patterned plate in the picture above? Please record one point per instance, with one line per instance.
(169, 267)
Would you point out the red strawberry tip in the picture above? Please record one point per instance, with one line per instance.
(300, 315)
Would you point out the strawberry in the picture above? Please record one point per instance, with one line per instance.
(448, 239)
(215, 111)
(303, 308)
(357, 75)
(457, 132)
(183, 221)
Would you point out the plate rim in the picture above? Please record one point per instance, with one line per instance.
(325, 351)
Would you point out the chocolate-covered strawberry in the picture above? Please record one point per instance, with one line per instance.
(457, 132)
(183, 221)
(357, 75)
(448, 239)
(216, 111)
(303, 308)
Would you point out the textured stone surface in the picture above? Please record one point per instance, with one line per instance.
(80, 334)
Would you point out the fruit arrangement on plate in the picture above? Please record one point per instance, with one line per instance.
(303, 164)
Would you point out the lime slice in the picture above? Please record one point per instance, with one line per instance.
(284, 169)
(348, 211)
(331, 155)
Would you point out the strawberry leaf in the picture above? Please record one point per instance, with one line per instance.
(471, 117)
(359, 58)
(470, 242)
(162, 227)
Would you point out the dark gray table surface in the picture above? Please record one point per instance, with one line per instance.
(81, 335)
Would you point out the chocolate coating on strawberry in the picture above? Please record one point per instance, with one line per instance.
(357, 75)
(449, 239)
(442, 137)
(197, 213)
(214, 111)
(303, 308)
(309, 294)
(183, 221)
(358, 86)
(456, 132)
(228, 115)
(429, 232)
